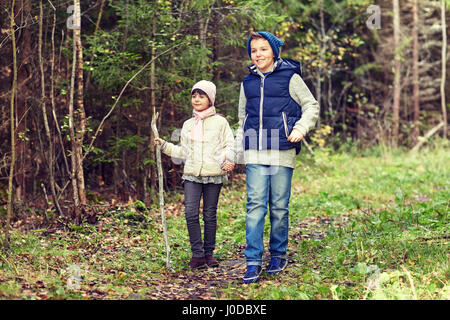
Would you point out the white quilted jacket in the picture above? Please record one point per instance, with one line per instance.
(204, 158)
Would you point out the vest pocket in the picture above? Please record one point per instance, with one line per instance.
(286, 131)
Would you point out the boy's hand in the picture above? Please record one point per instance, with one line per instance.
(229, 166)
(157, 141)
(295, 136)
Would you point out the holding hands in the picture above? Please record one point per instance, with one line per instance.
(228, 166)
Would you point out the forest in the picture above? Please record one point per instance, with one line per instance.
(81, 81)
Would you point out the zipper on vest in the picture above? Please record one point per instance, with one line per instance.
(261, 113)
(245, 121)
(286, 131)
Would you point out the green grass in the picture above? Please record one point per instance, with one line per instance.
(362, 226)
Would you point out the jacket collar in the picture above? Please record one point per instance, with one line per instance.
(254, 69)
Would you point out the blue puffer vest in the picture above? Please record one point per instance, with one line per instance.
(271, 113)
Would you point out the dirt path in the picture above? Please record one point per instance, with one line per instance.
(212, 283)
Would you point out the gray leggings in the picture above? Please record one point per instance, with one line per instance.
(192, 194)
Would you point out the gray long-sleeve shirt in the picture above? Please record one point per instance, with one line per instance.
(310, 113)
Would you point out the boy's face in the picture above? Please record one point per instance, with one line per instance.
(262, 54)
(200, 102)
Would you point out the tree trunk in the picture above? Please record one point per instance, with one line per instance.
(77, 134)
(322, 58)
(52, 94)
(203, 31)
(153, 173)
(81, 114)
(44, 113)
(24, 73)
(75, 157)
(76, 199)
(444, 62)
(13, 139)
(397, 70)
(416, 96)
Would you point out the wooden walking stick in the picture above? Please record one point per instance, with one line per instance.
(161, 187)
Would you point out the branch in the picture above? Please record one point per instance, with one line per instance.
(161, 188)
(100, 127)
(423, 139)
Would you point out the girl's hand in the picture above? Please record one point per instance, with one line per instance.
(295, 136)
(229, 166)
(157, 141)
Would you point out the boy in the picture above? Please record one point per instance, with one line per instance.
(276, 111)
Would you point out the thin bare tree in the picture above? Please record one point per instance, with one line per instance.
(415, 67)
(444, 62)
(13, 138)
(73, 157)
(81, 114)
(44, 112)
(152, 170)
(397, 74)
(52, 93)
(77, 130)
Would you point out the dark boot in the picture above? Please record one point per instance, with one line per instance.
(197, 263)
(211, 262)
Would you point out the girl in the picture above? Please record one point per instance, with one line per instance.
(207, 146)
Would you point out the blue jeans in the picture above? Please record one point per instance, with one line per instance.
(267, 185)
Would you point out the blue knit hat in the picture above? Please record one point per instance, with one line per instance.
(274, 42)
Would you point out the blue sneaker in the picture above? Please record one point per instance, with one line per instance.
(276, 265)
(252, 274)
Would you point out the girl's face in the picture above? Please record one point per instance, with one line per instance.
(262, 54)
(200, 102)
